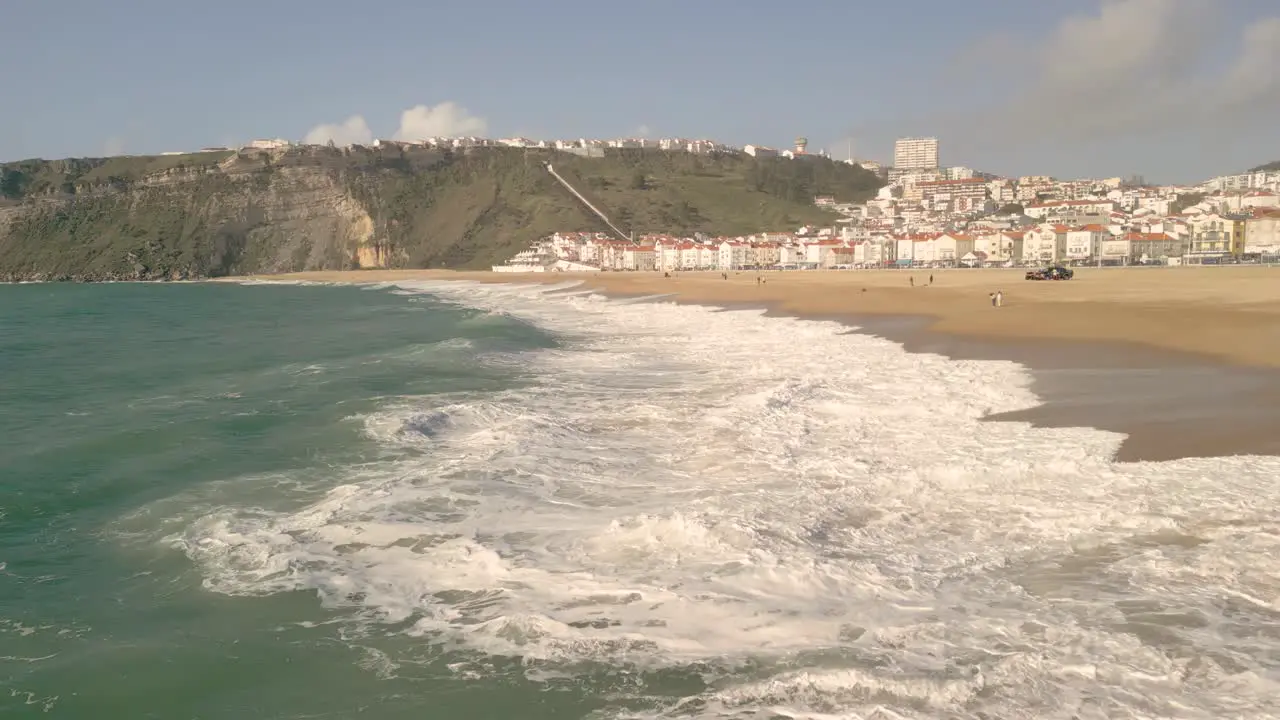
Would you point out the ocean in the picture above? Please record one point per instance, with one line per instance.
(453, 500)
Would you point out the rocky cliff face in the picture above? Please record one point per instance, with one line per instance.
(316, 208)
(262, 212)
(190, 222)
(296, 218)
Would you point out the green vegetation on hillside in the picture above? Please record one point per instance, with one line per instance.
(116, 235)
(213, 214)
(43, 177)
(723, 194)
(1269, 167)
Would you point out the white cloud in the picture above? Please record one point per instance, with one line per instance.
(1126, 43)
(1252, 78)
(448, 119)
(114, 146)
(1140, 66)
(1166, 88)
(352, 131)
(1101, 83)
(1132, 65)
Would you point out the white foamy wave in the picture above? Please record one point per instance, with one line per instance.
(817, 521)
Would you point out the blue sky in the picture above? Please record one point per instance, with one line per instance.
(1174, 90)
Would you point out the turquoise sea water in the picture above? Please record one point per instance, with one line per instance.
(114, 398)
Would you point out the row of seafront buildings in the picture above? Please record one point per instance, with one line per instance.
(1100, 224)
(1197, 238)
(571, 251)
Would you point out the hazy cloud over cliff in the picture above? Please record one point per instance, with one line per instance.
(352, 131)
(448, 119)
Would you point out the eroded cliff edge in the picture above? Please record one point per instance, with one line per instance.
(322, 208)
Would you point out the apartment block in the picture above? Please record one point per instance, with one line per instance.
(915, 153)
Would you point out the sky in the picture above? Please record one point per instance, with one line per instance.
(1172, 90)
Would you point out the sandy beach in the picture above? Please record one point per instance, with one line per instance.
(1231, 313)
(1183, 361)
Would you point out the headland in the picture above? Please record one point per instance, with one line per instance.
(1185, 361)
(296, 208)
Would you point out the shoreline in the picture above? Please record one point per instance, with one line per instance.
(1228, 314)
(1171, 400)
(1201, 406)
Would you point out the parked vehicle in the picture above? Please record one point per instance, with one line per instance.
(1053, 272)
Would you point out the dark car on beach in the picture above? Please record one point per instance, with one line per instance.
(1055, 272)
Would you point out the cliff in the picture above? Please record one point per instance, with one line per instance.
(318, 208)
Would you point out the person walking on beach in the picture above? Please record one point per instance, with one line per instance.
(913, 280)
(930, 278)
(999, 298)
(993, 299)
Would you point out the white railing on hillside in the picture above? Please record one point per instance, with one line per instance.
(587, 202)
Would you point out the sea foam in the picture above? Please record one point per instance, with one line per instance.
(816, 521)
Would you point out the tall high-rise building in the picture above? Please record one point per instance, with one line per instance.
(915, 153)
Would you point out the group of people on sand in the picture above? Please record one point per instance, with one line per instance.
(723, 276)
(997, 297)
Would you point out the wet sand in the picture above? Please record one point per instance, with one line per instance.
(1184, 361)
(1169, 404)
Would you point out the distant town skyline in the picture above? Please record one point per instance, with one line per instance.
(1013, 88)
(916, 159)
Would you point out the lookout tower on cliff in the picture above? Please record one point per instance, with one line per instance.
(801, 144)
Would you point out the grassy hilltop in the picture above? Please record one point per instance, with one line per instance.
(316, 208)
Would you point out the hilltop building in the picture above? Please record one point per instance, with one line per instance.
(915, 153)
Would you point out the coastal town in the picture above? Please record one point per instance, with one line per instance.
(927, 215)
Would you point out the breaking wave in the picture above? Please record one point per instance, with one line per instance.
(812, 522)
